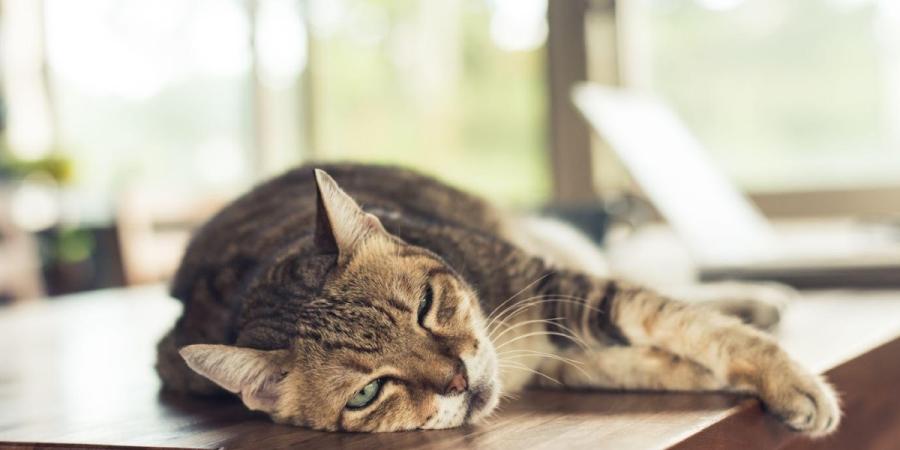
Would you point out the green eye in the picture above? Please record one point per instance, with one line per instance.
(366, 395)
(425, 305)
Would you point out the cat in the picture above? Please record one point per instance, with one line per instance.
(351, 297)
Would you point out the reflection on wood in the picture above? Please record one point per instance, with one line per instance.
(79, 372)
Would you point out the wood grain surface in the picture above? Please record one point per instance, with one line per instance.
(77, 373)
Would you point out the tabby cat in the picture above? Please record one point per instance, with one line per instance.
(388, 301)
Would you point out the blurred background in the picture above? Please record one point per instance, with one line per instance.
(125, 123)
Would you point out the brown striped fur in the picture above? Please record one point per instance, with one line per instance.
(301, 292)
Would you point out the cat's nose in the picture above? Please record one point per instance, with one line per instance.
(458, 384)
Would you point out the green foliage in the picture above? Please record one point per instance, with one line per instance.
(482, 130)
(786, 95)
(56, 165)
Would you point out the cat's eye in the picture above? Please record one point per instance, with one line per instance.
(425, 305)
(365, 396)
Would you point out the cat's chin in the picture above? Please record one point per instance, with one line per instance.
(471, 407)
(482, 402)
(484, 391)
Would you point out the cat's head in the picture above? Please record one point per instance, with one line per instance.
(394, 340)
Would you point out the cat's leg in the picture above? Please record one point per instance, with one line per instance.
(626, 367)
(756, 303)
(738, 356)
(563, 245)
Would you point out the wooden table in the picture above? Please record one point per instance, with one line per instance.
(77, 372)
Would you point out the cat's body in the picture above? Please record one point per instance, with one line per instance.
(289, 288)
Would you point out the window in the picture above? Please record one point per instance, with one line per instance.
(455, 88)
(210, 94)
(787, 95)
(153, 94)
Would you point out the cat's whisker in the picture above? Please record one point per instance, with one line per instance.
(535, 352)
(539, 353)
(498, 307)
(493, 414)
(503, 308)
(528, 369)
(522, 324)
(573, 336)
(577, 365)
(511, 311)
(542, 333)
(511, 307)
(541, 299)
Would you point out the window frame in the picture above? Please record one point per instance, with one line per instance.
(571, 148)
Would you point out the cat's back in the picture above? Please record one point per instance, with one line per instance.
(259, 223)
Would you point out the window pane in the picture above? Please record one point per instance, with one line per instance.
(452, 87)
(154, 94)
(787, 95)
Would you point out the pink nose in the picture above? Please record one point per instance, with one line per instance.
(457, 384)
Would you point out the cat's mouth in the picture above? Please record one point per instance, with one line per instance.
(484, 390)
(477, 403)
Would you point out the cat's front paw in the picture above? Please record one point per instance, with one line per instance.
(804, 402)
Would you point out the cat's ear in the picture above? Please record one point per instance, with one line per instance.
(252, 374)
(341, 224)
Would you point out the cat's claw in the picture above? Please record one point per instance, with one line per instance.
(804, 403)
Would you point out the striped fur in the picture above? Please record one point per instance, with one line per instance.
(307, 288)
